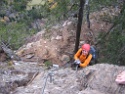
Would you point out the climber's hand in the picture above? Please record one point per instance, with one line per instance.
(77, 61)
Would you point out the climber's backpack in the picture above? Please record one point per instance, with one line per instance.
(93, 52)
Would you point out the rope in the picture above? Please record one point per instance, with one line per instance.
(76, 68)
(50, 74)
(44, 84)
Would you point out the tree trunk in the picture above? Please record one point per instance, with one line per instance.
(79, 24)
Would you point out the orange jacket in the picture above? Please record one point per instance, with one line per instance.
(84, 59)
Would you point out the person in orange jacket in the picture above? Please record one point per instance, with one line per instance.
(82, 56)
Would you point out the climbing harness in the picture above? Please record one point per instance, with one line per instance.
(50, 74)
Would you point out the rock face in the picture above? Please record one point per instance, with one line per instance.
(53, 46)
(101, 77)
(96, 79)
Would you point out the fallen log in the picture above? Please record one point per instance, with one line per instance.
(9, 52)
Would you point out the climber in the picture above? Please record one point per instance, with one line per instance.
(82, 56)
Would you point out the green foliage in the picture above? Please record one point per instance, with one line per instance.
(48, 64)
(59, 11)
(19, 5)
(15, 34)
(99, 4)
(113, 47)
(37, 13)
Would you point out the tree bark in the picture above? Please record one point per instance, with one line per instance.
(79, 24)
